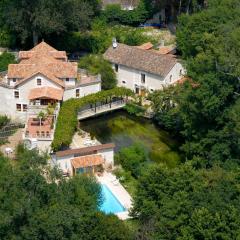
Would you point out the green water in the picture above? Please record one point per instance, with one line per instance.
(124, 130)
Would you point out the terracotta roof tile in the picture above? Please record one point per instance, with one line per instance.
(143, 60)
(146, 46)
(46, 92)
(87, 161)
(46, 60)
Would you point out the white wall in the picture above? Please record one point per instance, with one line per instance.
(108, 155)
(64, 163)
(26, 87)
(84, 90)
(8, 104)
(132, 77)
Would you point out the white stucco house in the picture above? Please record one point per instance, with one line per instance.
(43, 76)
(84, 160)
(143, 70)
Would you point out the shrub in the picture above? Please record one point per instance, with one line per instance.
(95, 64)
(132, 158)
(134, 109)
(4, 120)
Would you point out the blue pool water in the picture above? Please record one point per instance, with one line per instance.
(110, 202)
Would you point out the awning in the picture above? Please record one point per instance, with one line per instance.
(46, 93)
(87, 161)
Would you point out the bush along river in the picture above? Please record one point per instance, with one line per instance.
(124, 130)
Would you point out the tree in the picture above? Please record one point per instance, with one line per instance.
(36, 18)
(95, 64)
(37, 203)
(208, 41)
(183, 203)
(132, 158)
(6, 59)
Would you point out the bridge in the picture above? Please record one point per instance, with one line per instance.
(96, 110)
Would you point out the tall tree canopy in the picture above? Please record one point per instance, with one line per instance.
(37, 203)
(205, 105)
(35, 18)
(187, 204)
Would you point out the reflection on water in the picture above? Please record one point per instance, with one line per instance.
(124, 130)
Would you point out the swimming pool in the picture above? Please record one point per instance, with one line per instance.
(110, 202)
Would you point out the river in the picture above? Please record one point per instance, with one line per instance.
(124, 130)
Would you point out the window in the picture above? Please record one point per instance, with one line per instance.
(116, 67)
(143, 76)
(39, 81)
(151, 90)
(24, 107)
(180, 72)
(123, 82)
(77, 93)
(170, 78)
(42, 134)
(67, 79)
(16, 94)
(19, 107)
(14, 79)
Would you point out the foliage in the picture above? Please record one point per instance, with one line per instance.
(209, 43)
(6, 59)
(183, 203)
(39, 17)
(67, 119)
(37, 203)
(99, 38)
(4, 120)
(134, 109)
(6, 39)
(132, 158)
(114, 14)
(95, 64)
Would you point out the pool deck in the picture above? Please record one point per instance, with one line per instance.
(119, 191)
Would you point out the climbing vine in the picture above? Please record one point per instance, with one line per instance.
(67, 119)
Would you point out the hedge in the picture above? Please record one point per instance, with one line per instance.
(67, 119)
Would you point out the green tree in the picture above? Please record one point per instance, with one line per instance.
(95, 64)
(37, 203)
(37, 18)
(6, 59)
(183, 203)
(132, 158)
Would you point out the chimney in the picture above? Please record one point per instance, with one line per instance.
(114, 43)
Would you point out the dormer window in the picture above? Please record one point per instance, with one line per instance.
(39, 81)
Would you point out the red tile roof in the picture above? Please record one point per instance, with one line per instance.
(146, 46)
(46, 60)
(87, 161)
(46, 92)
(143, 60)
